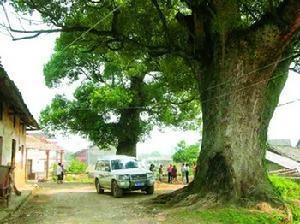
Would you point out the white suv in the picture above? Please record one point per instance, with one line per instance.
(122, 173)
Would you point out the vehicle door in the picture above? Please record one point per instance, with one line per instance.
(106, 169)
(99, 172)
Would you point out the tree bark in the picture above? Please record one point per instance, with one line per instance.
(243, 73)
(129, 126)
(128, 132)
(238, 100)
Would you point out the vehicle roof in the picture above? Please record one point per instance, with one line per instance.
(115, 157)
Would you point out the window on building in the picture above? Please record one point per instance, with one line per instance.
(13, 153)
(1, 148)
(22, 156)
(1, 111)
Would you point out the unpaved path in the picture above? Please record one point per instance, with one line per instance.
(79, 203)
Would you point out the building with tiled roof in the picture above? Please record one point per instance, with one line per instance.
(42, 153)
(15, 121)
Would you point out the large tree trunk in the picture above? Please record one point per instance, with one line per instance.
(238, 99)
(128, 132)
(129, 126)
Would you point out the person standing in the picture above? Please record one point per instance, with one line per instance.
(187, 173)
(183, 170)
(174, 173)
(59, 173)
(152, 167)
(169, 170)
(160, 173)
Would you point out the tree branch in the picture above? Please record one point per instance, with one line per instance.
(36, 33)
(286, 17)
(25, 37)
(164, 22)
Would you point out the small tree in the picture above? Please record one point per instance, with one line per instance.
(186, 153)
(76, 166)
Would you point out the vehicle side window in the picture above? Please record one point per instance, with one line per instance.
(103, 166)
(98, 166)
(106, 165)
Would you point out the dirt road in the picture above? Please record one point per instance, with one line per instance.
(79, 203)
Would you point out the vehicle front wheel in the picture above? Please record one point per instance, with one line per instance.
(150, 190)
(98, 187)
(116, 191)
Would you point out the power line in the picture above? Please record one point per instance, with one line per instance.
(289, 102)
(92, 27)
(253, 71)
(245, 87)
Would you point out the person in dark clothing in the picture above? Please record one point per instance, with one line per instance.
(174, 173)
(170, 173)
(160, 173)
(187, 172)
(151, 167)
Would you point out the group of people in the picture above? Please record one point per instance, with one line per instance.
(172, 173)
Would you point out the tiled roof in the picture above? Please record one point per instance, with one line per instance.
(290, 152)
(41, 143)
(280, 142)
(10, 94)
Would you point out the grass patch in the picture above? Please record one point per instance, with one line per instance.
(225, 216)
(286, 188)
(289, 190)
(74, 178)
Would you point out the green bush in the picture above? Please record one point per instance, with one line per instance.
(289, 190)
(76, 166)
(286, 188)
(186, 153)
(78, 178)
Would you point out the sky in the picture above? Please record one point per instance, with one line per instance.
(24, 60)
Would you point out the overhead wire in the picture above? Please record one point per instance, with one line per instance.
(211, 87)
(289, 102)
(253, 71)
(92, 27)
(244, 87)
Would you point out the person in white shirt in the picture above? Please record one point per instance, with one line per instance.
(183, 170)
(59, 173)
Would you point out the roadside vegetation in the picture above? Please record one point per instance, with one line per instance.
(76, 167)
(77, 172)
(263, 213)
(185, 153)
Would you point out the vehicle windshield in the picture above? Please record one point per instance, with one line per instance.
(123, 164)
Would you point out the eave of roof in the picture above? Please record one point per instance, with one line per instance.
(41, 143)
(10, 94)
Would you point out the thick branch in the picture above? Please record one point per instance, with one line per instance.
(286, 17)
(163, 20)
(64, 29)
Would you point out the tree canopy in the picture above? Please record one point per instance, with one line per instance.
(117, 92)
(239, 53)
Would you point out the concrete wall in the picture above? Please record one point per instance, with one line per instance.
(39, 158)
(9, 131)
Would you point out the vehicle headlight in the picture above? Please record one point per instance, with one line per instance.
(123, 177)
(149, 175)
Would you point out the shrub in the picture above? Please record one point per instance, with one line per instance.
(186, 153)
(289, 190)
(76, 166)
